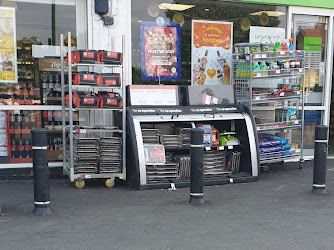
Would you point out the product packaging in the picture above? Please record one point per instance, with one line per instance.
(85, 78)
(109, 79)
(83, 99)
(109, 57)
(109, 100)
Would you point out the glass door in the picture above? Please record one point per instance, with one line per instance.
(310, 32)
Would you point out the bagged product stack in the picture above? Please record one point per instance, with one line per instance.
(272, 146)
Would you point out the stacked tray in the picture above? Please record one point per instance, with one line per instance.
(150, 136)
(184, 166)
(110, 155)
(171, 141)
(214, 163)
(166, 172)
(165, 128)
(86, 154)
(185, 136)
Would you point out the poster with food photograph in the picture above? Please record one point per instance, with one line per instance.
(160, 51)
(211, 52)
(8, 65)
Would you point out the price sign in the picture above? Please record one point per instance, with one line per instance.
(153, 95)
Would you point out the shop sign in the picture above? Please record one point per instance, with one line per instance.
(160, 51)
(154, 95)
(266, 34)
(211, 52)
(8, 59)
(312, 43)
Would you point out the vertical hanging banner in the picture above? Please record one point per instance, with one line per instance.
(160, 51)
(211, 52)
(8, 65)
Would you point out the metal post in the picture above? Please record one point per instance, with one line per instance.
(320, 155)
(196, 166)
(41, 172)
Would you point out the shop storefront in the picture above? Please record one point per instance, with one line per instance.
(38, 24)
(306, 23)
(30, 71)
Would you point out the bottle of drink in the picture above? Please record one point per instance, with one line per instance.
(27, 148)
(227, 72)
(12, 121)
(25, 92)
(25, 120)
(220, 61)
(20, 149)
(31, 91)
(13, 150)
(45, 84)
(57, 82)
(19, 121)
(204, 62)
(51, 82)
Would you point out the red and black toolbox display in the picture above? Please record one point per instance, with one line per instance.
(109, 100)
(109, 79)
(109, 57)
(83, 56)
(94, 56)
(83, 99)
(85, 78)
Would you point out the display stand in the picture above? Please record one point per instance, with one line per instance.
(96, 142)
(159, 142)
(271, 84)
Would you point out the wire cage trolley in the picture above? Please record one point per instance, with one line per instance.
(95, 103)
(271, 84)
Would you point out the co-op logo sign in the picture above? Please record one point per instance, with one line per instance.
(56, 65)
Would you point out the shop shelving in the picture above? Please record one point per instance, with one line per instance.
(98, 165)
(256, 89)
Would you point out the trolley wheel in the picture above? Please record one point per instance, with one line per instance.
(265, 168)
(79, 184)
(109, 183)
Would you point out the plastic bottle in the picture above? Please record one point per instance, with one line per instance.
(207, 135)
(215, 137)
(255, 68)
(263, 68)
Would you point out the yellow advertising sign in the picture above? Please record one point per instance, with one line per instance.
(8, 60)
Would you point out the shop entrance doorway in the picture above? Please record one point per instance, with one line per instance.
(312, 32)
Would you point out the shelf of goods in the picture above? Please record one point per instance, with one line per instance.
(271, 83)
(159, 146)
(96, 132)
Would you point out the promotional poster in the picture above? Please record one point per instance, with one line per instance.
(8, 66)
(160, 51)
(211, 51)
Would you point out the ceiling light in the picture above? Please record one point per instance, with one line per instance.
(174, 6)
(206, 9)
(139, 21)
(268, 12)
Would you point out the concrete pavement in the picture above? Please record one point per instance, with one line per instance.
(278, 212)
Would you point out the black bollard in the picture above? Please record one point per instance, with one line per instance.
(320, 156)
(41, 172)
(196, 166)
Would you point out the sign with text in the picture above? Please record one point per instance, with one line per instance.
(312, 43)
(8, 59)
(211, 52)
(160, 51)
(266, 34)
(154, 95)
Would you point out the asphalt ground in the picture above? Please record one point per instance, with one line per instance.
(278, 212)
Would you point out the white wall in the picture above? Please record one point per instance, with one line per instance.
(100, 36)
